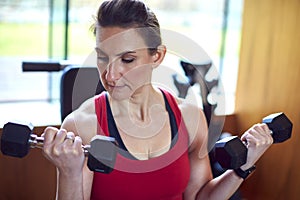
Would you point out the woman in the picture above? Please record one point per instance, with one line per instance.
(162, 140)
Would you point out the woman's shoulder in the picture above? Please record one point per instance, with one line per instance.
(195, 122)
(82, 121)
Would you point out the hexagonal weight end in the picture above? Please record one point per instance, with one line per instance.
(280, 125)
(230, 152)
(15, 139)
(102, 154)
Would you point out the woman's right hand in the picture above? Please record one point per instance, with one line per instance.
(64, 150)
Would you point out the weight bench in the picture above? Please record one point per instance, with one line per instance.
(77, 85)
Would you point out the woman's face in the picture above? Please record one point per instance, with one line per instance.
(123, 61)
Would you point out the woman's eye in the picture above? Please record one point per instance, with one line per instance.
(127, 60)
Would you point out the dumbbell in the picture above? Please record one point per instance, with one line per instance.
(17, 139)
(231, 152)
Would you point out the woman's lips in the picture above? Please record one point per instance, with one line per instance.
(114, 87)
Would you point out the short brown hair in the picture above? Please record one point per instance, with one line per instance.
(130, 14)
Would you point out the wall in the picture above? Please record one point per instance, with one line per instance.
(269, 81)
(32, 177)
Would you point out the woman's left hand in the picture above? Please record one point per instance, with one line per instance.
(258, 139)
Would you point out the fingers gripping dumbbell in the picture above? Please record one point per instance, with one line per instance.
(17, 139)
(231, 153)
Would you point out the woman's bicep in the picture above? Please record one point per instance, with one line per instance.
(198, 152)
(196, 124)
(200, 175)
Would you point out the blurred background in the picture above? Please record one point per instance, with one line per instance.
(32, 30)
(254, 45)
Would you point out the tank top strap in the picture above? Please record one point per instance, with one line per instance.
(100, 107)
(174, 106)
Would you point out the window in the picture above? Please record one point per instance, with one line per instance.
(213, 25)
(41, 30)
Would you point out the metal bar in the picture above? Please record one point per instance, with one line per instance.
(67, 8)
(224, 34)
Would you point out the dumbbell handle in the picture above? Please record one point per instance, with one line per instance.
(38, 142)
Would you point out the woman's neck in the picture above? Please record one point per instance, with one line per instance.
(138, 105)
(141, 116)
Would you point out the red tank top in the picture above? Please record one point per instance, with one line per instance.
(163, 177)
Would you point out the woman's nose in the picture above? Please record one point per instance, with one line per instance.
(113, 72)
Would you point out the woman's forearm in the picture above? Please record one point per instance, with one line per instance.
(69, 187)
(221, 187)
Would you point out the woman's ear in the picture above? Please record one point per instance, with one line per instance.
(159, 55)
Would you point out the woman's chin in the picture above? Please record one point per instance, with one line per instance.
(120, 93)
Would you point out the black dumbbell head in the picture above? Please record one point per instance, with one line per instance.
(102, 154)
(15, 139)
(280, 126)
(230, 152)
